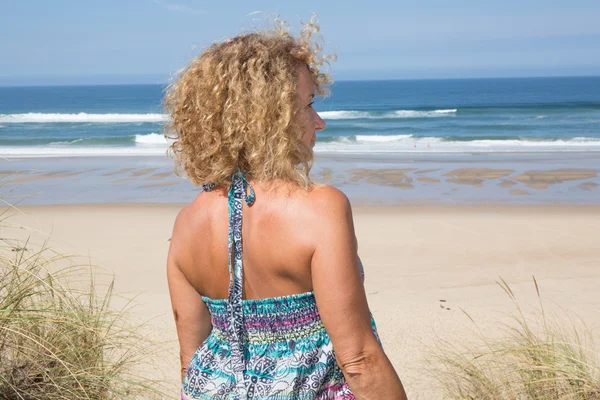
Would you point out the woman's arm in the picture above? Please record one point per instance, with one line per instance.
(342, 302)
(192, 317)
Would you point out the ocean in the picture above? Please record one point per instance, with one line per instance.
(460, 116)
(472, 141)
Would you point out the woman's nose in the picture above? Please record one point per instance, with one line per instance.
(319, 123)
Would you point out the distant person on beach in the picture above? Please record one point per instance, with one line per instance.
(281, 314)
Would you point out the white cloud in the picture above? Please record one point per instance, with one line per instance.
(182, 8)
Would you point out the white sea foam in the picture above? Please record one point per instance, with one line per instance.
(393, 114)
(67, 141)
(155, 144)
(34, 152)
(80, 117)
(409, 144)
(423, 114)
(344, 114)
(541, 143)
(381, 138)
(151, 138)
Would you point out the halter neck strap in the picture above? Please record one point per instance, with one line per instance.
(240, 191)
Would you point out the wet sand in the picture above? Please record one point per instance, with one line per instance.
(382, 180)
(399, 178)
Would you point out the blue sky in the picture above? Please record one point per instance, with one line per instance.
(134, 41)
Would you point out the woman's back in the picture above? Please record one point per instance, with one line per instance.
(274, 346)
(280, 232)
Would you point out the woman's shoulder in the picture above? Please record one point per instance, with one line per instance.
(327, 199)
(201, 207)
(319, 203)
(320, 207)
(319, 200)
(325, 193)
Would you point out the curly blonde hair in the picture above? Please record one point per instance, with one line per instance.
(236, 106)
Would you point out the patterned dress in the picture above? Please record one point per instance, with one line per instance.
(275, 348)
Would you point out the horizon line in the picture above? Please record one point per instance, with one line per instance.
(164, 83)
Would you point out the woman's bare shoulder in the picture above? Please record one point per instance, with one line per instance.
(328, 200)
(198, 210)
(317, 209)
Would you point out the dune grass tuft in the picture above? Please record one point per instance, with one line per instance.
(538, 357)
(59, 336)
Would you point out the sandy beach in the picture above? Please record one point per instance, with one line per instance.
(423, 264)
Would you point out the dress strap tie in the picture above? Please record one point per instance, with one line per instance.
(240, 191)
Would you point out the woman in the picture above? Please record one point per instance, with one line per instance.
(283, 313)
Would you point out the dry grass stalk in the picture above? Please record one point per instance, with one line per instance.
(59, 336)
(537, 358)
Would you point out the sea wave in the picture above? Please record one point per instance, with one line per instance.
(66, 142)
(421, 114)
(350, 114)
(156, 144)
(413, 144)
(80, 117)
(464, 140)
(151, 138)
(34, 152)
(381, 138)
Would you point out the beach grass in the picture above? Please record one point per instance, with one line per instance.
(538, 356)
(60, 338)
